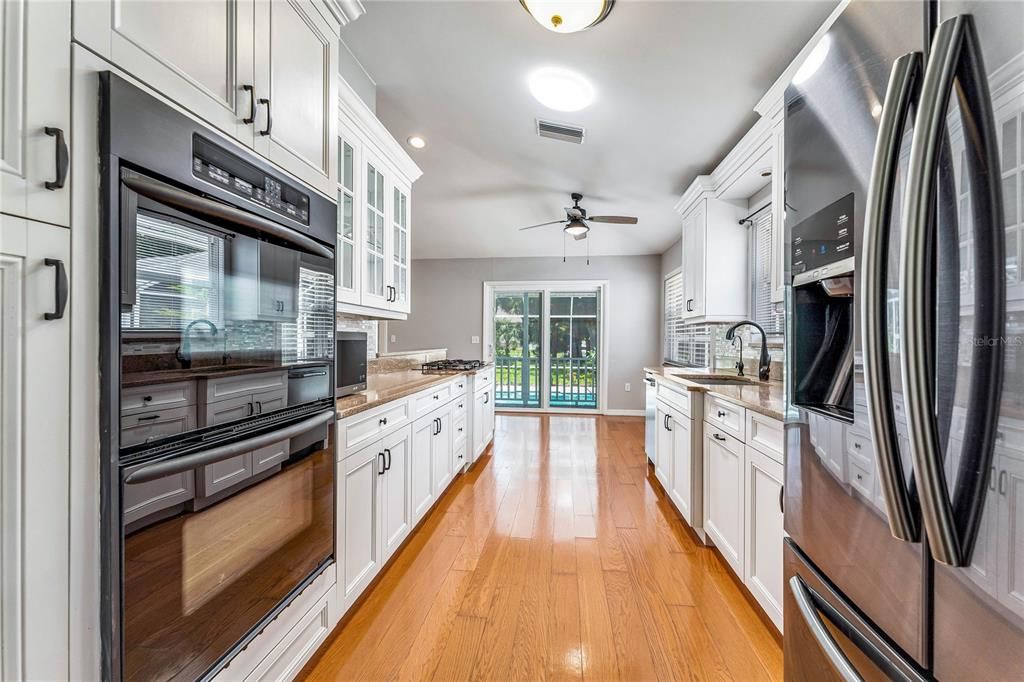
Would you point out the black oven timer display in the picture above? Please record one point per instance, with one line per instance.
(825, 237)
(222, 168)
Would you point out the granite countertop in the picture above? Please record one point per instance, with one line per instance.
(170, 376)
(764, 397)
(387, 386)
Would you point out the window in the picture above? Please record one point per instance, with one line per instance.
(762, 310)
(179, 276)
(311, 336)
(673, 300)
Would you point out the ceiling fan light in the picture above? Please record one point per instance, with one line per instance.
(576, 228)
(568, 16)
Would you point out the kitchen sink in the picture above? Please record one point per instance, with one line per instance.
(710, 380)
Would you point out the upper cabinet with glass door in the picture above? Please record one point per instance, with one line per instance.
(261, 71)
(349, 234)
(376, 175)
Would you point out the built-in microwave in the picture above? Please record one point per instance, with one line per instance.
(350, 359)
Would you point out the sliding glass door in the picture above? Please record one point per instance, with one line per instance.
(572, 348)
(517, 348)
(546, 346)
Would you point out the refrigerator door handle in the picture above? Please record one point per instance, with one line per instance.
(952, 524)
(900, 96)
(805, 602)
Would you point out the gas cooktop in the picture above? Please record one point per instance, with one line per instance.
(441, 366)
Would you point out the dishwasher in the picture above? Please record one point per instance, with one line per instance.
(649, 415)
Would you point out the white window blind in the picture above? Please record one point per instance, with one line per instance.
(673, 298)
(763, 310)
(311, 336)
(179, 276)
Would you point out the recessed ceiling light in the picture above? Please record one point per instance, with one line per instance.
(417, 142)
(568, 16)
(814, 60)
(561, 89)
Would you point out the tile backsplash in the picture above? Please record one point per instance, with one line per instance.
(709, 348)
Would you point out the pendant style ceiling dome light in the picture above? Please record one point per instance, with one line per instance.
(576, 228)
(568, 16)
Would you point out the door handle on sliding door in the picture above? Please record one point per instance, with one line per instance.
(952, 522)
(904, 85)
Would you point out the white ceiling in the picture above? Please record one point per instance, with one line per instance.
(676, 84)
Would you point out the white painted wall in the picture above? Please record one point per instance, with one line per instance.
(447, 309)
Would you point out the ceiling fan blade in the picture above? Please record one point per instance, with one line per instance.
(580, 236)
(553, 222)
(618, 219)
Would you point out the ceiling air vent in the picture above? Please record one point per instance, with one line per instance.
(560, 131)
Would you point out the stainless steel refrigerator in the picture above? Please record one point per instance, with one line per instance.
(904, 489)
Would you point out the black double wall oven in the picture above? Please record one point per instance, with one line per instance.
(217, 317)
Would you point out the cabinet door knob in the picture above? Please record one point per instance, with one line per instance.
(1002, 482)
(719, 437)
(721, 414)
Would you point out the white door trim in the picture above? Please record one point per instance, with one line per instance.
(547, 287)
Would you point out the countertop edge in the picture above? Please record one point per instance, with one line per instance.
(404, 392)
(659, 375)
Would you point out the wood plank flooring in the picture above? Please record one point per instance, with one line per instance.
(556, 557)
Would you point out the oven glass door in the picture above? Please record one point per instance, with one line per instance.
(200, 571)
(226, 477)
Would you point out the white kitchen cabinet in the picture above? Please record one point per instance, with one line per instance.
(265, 282)
(35, 448)
(159, 423)
(396, 502)
(35, 110)
(376, 293)
(421, 488)
(715, 270)
(374, 214)
(441, 451)
(763, 532)
(681, 491)
(139, 500)
(724, 486)
(360, 554)
(483, 421)
(350, 220)
(296, 69)
(398, 274)
(663, 446)
(199, 54)
(221, 475)
(270, 456)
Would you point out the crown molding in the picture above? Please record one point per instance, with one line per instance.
(354, 110)
(772, 100)
(701, 186)
(345, 11)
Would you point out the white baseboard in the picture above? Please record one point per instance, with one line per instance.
(624, 413)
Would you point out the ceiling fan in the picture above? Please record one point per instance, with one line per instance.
(576, 219)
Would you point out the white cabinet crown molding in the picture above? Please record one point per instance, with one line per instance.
(352, 108)
(772, 99)
(345, 11)
(701, 186)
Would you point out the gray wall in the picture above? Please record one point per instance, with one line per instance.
(673, 258)
(447, 308)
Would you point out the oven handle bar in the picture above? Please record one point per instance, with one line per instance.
(159, 191)
(170, 467)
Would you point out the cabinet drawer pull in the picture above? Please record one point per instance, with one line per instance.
(60, 160)
(248, 120)
(270, 119)
(147, 398)
(1002, 482)
(60, 291)
(383, 421)
(149, 417)
(721, 414)
(719, 437)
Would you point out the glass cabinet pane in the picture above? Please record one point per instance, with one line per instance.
(346, 216)
(348, 174)
(346, 260)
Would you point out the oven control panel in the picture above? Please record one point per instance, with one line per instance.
(220, 167)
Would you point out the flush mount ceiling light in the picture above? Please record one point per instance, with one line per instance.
(568, 16)
(417, 142)
(575, 228)
(814, 60)
(561, 89)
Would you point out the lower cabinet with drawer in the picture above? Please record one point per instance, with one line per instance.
(743, 497)
(678, 463)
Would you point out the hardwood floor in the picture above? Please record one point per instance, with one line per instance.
(556, 557)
